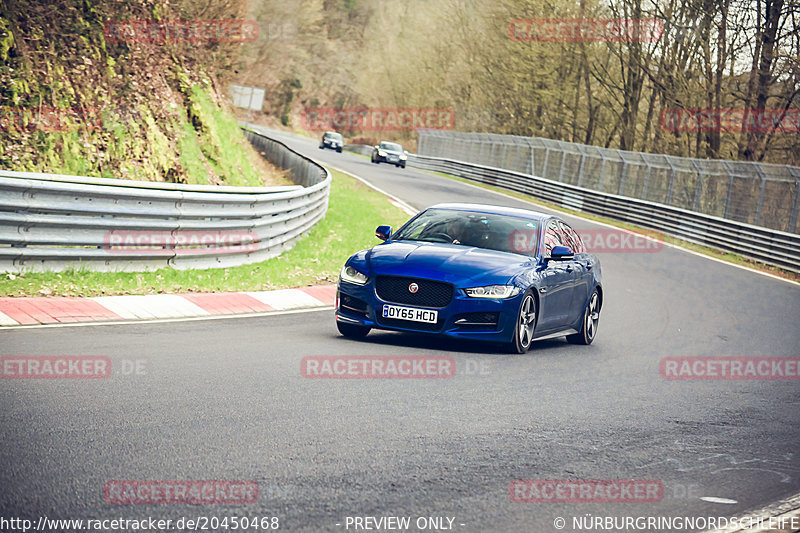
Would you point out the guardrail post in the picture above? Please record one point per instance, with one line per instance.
(624, 174)
(728, 193)
(699, 185)
(793, 217)
(531, 160)
(760, 193)
(668, 200)
(546, 159)
(602, 172)
(646, 179)
(581, 168)
(563, 164)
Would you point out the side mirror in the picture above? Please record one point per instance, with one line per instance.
(405, 152)
(561, 253)
(383, 232)
(376, 147)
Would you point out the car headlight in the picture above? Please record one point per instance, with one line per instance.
(403, 156)
(492, 291)
(352, 275)
(381, 153)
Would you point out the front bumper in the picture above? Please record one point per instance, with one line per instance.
(390, 158)
(464, 317)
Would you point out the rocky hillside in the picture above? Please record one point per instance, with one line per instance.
(127, 90)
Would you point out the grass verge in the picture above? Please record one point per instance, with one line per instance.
(705, 250)
(354, 212)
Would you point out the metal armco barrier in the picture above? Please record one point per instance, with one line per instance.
(744, 191)
(52, 222)
(363, 149)
(769, 246)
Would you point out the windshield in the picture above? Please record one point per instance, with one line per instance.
(469, 228)
(393, 147)
(333, 136)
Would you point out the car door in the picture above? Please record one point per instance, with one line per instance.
(556, 290)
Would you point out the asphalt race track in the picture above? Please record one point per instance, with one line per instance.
(225, 400)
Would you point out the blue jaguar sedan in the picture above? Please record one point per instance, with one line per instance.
(474, 272)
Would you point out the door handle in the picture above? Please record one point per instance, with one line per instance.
(569, 268)
(589, 265)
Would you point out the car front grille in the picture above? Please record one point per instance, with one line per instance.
(430, 293)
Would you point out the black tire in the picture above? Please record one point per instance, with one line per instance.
(526, 325)
(403, 165)
(339, 150)
(591, 319)
(353, 331)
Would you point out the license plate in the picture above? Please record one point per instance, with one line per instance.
(409, 313)
(393, 158)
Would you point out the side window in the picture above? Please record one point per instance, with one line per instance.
(579, 246)
(551, 237)
(571, 238)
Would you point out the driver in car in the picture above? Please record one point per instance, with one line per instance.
(455, 229)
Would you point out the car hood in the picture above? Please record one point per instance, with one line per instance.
(461, 265)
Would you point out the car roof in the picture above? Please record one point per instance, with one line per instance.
(493, 210)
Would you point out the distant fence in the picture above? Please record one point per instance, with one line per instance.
(753, 193)
(52, 222)
(766, 245)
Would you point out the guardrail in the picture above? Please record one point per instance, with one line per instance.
(54, 222)
(755, 193)
(769, 246)
(363, 149)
